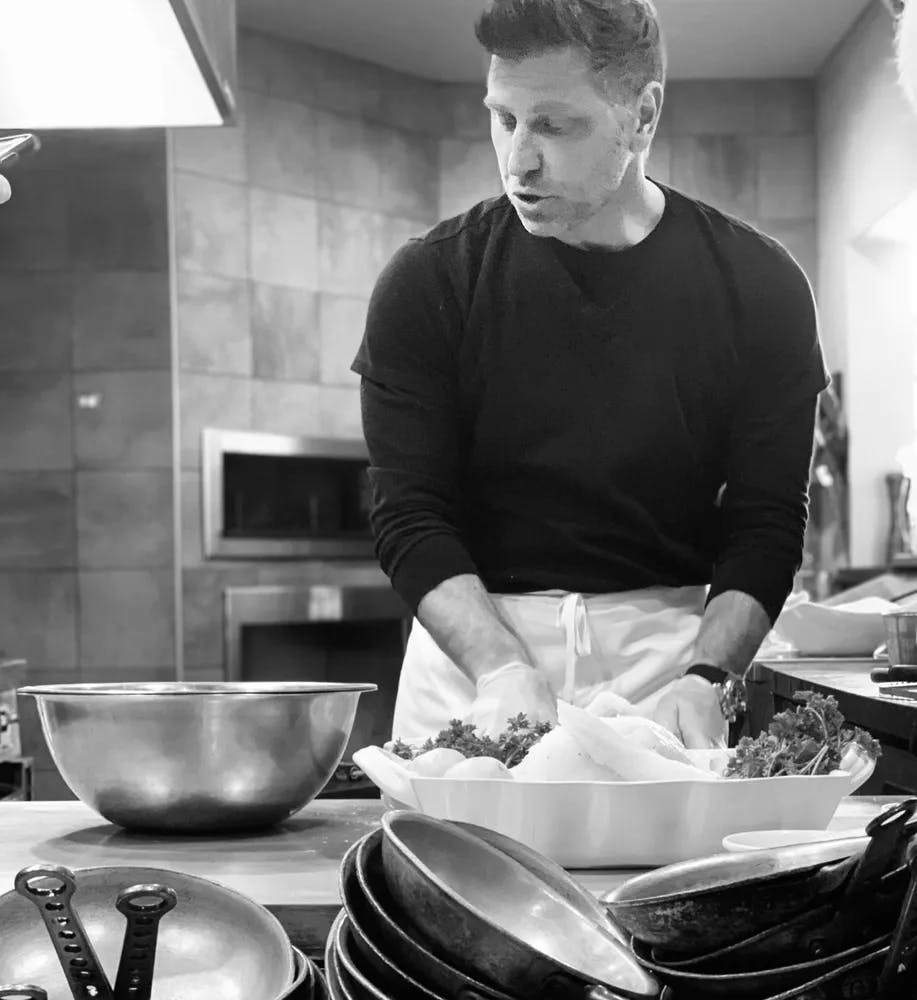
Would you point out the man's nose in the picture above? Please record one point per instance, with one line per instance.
(524, 155)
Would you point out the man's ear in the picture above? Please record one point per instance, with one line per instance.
(649, 108)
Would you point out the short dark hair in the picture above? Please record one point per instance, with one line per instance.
(621, 38)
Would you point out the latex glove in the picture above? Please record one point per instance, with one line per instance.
(691, 710)
(507, 691)
(6, 192)
(601, 700)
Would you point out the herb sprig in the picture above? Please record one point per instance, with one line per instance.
(810, 739)
(510, 746)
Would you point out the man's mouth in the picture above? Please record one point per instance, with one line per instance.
(529, 198)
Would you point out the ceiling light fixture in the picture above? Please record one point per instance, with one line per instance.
(117, 63)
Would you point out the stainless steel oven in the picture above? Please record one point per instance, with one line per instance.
(328, 632)
(276, 496)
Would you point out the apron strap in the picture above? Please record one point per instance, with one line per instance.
(573, 619)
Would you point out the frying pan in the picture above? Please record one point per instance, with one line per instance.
(497, 920)
(865, 910)
(759, 983)
(402, 943)
(215, 943)
(548, 871)
(812, 934)
(709, 903)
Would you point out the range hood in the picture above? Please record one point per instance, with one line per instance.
(70, 64)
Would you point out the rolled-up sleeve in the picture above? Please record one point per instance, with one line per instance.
(765, 505)
(411, 412)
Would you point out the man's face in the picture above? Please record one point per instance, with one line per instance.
(562, 146)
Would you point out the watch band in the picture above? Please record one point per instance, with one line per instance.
(716, 675)
(733, 691)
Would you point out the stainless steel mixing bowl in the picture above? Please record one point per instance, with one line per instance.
(197, 757)
(215, 943)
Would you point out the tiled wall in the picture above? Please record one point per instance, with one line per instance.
(282, 226)
(86, 519)
(747, 147)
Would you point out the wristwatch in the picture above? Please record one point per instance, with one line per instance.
(731, 688)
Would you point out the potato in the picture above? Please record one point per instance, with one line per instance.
(558, 757)
(480, 767)
(435, 763)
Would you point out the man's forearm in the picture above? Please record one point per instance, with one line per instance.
(731, 632)
(463, 619)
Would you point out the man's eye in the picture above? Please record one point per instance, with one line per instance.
(507, 121)
(551, 128)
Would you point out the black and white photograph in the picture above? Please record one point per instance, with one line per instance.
(458, 500)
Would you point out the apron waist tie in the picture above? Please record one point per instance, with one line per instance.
(573, 619)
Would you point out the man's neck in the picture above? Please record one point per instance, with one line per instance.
(624, 222)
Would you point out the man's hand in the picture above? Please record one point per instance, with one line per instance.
(6, 192)
(508, 691)
(691, 710)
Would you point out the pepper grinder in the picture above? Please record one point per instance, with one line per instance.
(899, 532)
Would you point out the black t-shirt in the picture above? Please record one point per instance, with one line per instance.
(594, 421)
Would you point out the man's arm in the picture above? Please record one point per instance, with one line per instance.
(731, 632)
(412, 424)
(766, 499)
(764, 522)
(463, 619)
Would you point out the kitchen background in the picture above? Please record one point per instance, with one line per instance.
(153, 284)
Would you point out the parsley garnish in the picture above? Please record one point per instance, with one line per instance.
(810, 739)
(510, 746)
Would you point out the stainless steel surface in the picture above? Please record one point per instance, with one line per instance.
(492, 916)
(197, 757)
(901, 637)
(390, 970)
(692, 919)
(767, 982)
(349, 971)
(303, 986)
(143, 906)
(215, 443)
(706, 905)
(285, 605)
(364, 891)
(729, 871)
(215, 944)
(12, 674)
(899, 971)
(50, 889)
(550, 873)
(336, 988)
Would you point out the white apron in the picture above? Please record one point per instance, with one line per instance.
(640, 640)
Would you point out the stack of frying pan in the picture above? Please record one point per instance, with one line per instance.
(834, 921)
(439, 911)
(449, 911)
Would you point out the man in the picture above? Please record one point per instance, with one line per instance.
(589, 406)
